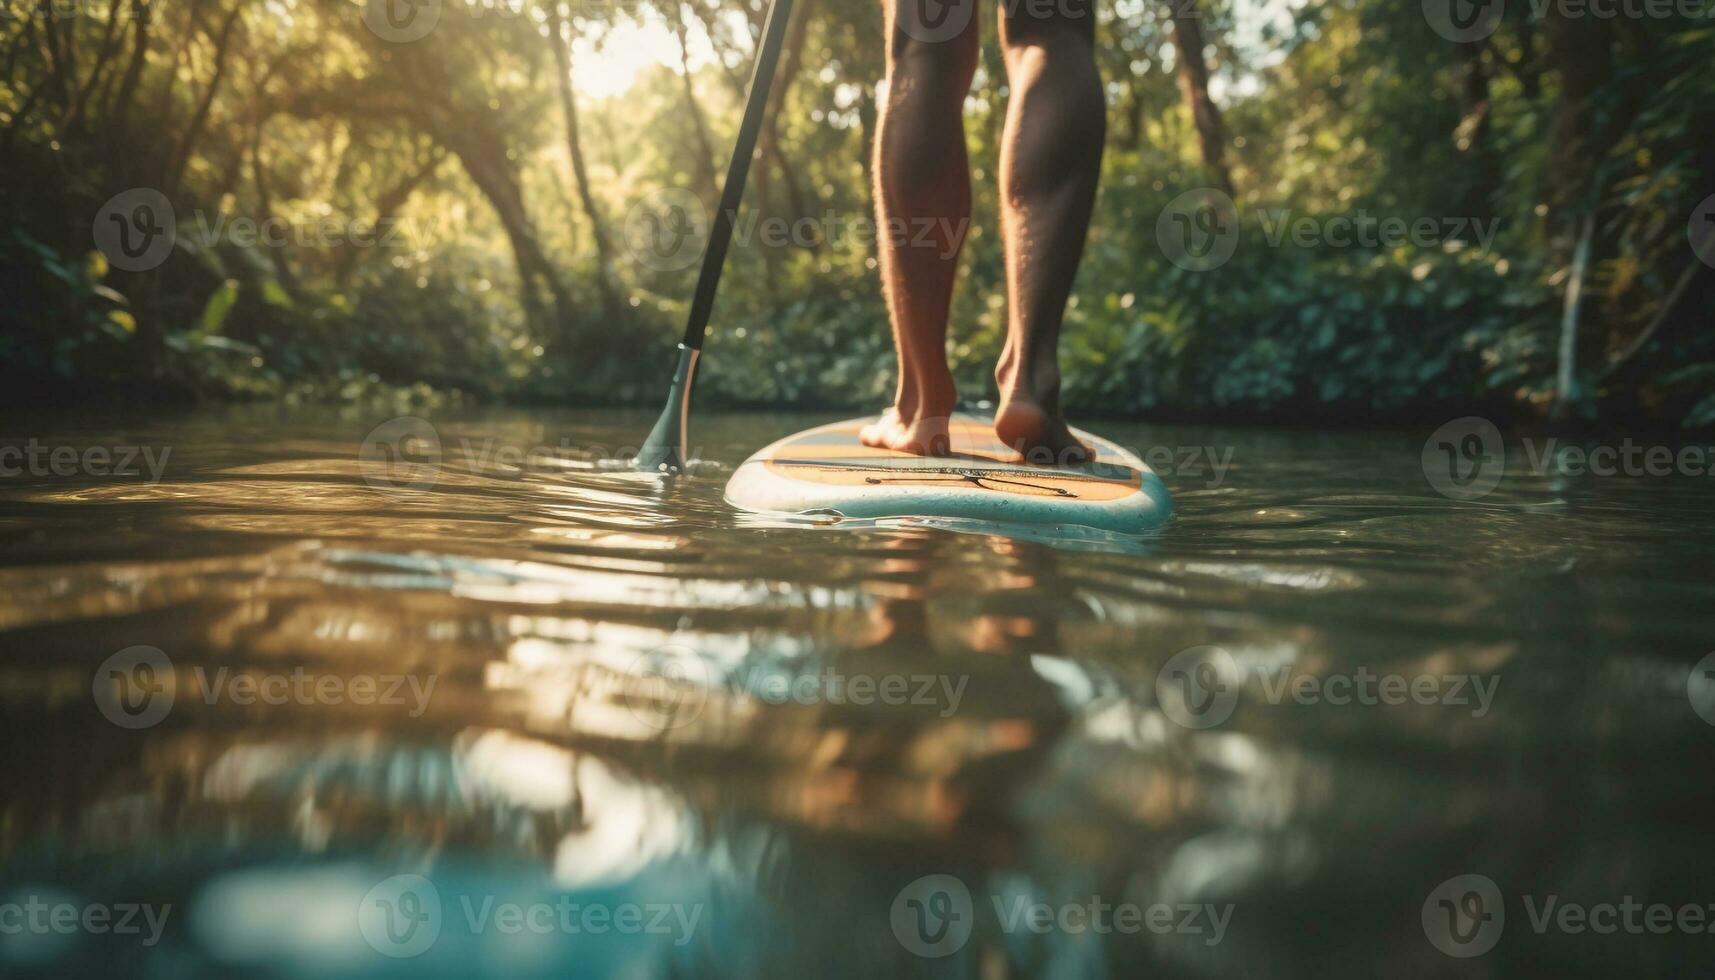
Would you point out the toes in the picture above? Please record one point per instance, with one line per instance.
(877, 433)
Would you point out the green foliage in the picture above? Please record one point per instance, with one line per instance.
(483, 274)
(81, 325)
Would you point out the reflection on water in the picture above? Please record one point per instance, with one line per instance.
(528, 713)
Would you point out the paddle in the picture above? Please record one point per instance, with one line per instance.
(668, 443)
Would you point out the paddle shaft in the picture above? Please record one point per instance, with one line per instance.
(732, 195)
(668, 445)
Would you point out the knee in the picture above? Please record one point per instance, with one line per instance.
(1038, 33)
(1053, 60)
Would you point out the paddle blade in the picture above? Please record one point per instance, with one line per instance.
(668, 445)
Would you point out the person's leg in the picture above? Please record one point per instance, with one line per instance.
(923, 201)
(1051, 159)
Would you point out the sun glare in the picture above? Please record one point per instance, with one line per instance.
(610, 67)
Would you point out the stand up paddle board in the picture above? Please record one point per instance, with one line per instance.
(827, 471)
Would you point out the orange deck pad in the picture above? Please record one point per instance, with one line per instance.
(980, 462)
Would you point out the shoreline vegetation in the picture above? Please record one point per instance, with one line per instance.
(1339, 217)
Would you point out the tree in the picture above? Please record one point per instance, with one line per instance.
(1192, 69)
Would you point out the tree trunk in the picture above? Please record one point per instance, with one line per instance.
(791, 58)
(495, 177)
(1569, 400)
(119, 112)
(1528, 68)
(1193, 74)
(111, 38)
(193, 132)
(706, 164)
(1579, 51)
(1471, 138)
(265, 204)
(387, 207)
(580, 171)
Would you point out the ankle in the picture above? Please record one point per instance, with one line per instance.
(927, 396)
(937, 403)
(1040, 388)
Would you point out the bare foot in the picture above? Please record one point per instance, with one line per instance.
(1041, 438)
(918, 436)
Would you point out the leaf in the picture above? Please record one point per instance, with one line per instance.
(219, 306)
(110, 294)
(61, 271)
(123, 321)
(1703, 415)
(275, 294)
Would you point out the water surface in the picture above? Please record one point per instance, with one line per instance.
(1271, 739)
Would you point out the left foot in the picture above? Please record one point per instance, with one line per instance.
(919, 419)
(1040, 437)
(1029, 421)
(918, 436)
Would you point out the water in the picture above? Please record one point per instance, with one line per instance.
(605, 726)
